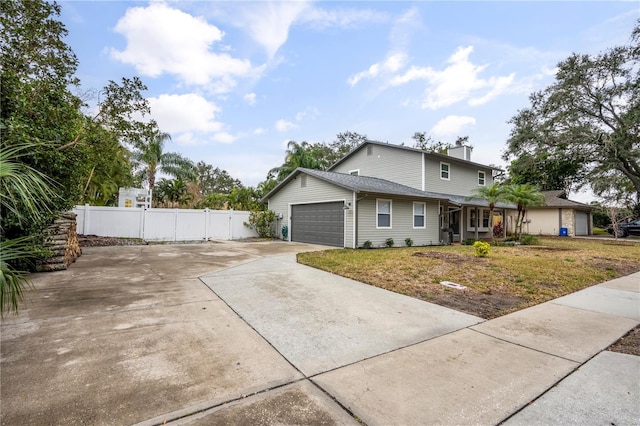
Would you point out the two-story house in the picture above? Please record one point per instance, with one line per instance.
(380, 191)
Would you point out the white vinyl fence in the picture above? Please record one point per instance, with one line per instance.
(163, 224)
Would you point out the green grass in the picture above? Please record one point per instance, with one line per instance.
(525, 274)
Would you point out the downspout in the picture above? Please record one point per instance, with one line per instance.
(423, 172)
(355, 221)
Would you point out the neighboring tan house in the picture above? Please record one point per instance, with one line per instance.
(558, 213)
(380, 191)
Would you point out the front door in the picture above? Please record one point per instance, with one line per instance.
(454, 224)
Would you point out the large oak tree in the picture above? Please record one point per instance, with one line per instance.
(584, 129)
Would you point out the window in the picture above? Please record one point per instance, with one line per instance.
(473, 219)
(384, 213)
(485, 218)
(482, 220)
(355, 172)
(418, 215)
(369, 149)
(444, 171)
(303, 181)
(481, 178)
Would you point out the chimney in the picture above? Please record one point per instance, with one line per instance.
(460, 151)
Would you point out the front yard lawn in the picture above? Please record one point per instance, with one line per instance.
(509, 279)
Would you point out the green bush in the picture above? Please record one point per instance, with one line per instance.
(367, 244)
(261, 221)
(469, 242)
(528, 240)
(482, 249)
(389, 242)
(408, 242)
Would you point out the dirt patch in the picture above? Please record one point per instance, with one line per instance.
(489, 305)
(96, 241)
(453, 257)
(629, 343)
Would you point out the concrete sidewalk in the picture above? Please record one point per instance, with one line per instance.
(239, 333)
(487, 373)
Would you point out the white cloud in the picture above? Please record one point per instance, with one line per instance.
(223, 137)
(188, 139)
(342, 17)
(184, 113)
(459, 81)
(393, 63)
(268, 22)
(250, 98)
(284, 125)
(161, 39)
(452, 125)
(259, 131)
(310, 113)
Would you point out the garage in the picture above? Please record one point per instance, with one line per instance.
(321, 223)
(582, 223)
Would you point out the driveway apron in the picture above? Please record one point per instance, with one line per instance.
(320, 321)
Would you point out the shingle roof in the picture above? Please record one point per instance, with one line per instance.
(558, 198)
(374, 185)
(408, 148)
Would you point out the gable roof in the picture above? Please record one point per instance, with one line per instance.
(367, 184)
(558, 198)
(407, 148)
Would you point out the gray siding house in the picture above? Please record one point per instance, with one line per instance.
(380, 191)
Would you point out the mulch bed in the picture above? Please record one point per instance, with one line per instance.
(96, 241)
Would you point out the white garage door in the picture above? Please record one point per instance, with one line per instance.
(582, 223)
(321, 223)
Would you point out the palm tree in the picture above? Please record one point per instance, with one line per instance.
(492, 194)
(524, 196)
(26, 193)
(299, 155)
(150, 159)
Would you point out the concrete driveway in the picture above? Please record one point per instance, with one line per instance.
(239, 333)
(131, 334)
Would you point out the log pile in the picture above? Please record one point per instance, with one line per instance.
(61, 241)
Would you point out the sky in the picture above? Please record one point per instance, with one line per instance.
(234, 81)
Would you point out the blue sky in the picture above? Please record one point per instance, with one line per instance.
(232, 82)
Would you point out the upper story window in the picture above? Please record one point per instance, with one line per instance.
(383, 208)
(482, 178)
(355, 172)
(418, 215)
(445, 171)
(369, 149)
(303, 181)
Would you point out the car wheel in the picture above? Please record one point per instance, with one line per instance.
(621, 233)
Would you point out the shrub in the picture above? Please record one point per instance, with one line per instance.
(389, 242)
(408, 242)
(367, 244)
(498, 229)
(528, 240)
(482, 249)
(260, 221)
(469, 242)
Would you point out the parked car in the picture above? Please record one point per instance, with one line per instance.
(626, 229)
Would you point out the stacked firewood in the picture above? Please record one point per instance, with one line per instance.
(62, 243)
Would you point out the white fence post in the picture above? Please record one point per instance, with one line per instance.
(85, 225)
(143, 212)
(206, 224)
(230, 225)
